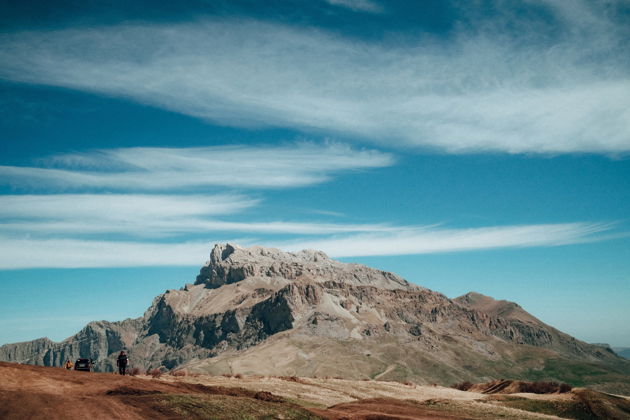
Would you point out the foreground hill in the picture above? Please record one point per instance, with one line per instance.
(53, 393)
(33, 392)
(263, 311)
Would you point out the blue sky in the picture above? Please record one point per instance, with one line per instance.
(465, 148)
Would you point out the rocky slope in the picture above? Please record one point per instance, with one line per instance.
(261, 310)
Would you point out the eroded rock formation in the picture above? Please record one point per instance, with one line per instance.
(261, 310)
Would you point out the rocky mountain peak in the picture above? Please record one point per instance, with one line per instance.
(259, 310)
(222, 252)
(230, 263)
(235, 253)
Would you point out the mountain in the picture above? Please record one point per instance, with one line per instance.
(263, 311)
(622, 351)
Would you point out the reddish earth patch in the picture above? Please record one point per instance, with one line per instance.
(35, 392)
(29, 392)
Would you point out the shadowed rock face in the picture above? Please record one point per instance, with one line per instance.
(97, 340)
(244, 297)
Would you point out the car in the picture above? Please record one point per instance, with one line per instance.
(84, 365)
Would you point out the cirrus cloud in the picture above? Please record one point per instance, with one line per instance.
(67, 253)
(153, 168)
(142, 215)
(478, 90)
(432, 240)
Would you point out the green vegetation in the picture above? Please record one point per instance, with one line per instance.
(575, 373)
(304, 403)
(473, 410)
(585, 404)
(582, 374)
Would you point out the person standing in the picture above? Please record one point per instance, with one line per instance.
(122, 363)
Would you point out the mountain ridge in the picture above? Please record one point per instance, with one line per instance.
(313, 316)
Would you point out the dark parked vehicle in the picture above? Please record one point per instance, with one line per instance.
(84, 365)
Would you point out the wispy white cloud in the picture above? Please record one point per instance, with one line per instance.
(358, 5)
(76, 253)
(147, 216)
(438, 240)
(34, 253)
(326, 212)
(118, 207)
(171, 227)
(481, 91)
(141, 168)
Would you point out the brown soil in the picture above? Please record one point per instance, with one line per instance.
(381, 409)
(34, 392)
(28, 392)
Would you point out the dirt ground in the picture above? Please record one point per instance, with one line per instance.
(33, 392)
(382, 408)
(325, 392)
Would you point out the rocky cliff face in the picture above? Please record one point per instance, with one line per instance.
(261, 310)
(97, 340)
(230, 264)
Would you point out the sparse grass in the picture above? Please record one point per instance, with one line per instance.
(496, 406)
(582, 374)
(154, 373)
(222, 407)
(568, 409)
(574, 373)
(472, 410)
(348, 360)
(304, 403)
(584, 405)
